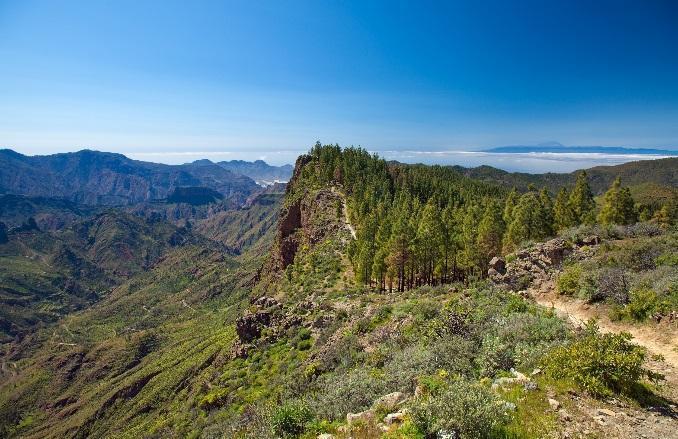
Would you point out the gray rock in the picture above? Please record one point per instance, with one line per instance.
(390, 401)
(555, 405)
(366, 417)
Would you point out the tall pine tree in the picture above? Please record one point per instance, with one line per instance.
(581, 201)
(618, 207)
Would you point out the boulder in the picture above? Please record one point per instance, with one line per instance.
(366, 417)
(554, 250)
(394, 418)
(555, 405)
(266, 302)
(605, 412)
(590, 240)
(390, 401)
(249, 326)
(498, 264)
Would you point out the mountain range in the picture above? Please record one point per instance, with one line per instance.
(100, 178)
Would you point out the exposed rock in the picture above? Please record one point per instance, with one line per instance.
(365, 417)
(530, 385)
(498, 264)
(240, 350)
(555, 405)
(325, 436)
(590, 240)
(564, 415)
(605, 412)
(394, 418)
(249, 326)
(530, 265)
(390, 401)
(265, 302)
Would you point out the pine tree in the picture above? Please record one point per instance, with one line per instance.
(665, 215)
(509, 205)
(545, 214)
(562, 213)
(450, 243)
(428, 240)
(581, 201)
(618, 207)
(490, 233)
(471, 253)
(527, 222)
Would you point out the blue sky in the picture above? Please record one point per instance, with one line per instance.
(173, 81)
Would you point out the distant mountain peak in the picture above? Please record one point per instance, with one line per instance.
(203, 162)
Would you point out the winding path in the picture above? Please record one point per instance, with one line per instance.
(657, 340)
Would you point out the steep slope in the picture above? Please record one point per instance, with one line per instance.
(46, 275)
(48, 213)
(132, 364)
(98, 178)
(244, 227)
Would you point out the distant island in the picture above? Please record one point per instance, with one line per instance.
(560, 149)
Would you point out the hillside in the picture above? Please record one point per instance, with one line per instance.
(98, 178)
(45, 275)
(660, 172)
(360, 305)
(48, 213)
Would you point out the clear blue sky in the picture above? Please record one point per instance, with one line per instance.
(170, 80)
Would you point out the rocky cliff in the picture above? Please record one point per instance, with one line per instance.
(309, 216)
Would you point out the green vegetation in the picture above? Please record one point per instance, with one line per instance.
(602, 364)
(191, 333)
(635, 274)
(464, 409)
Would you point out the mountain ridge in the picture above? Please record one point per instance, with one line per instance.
(101, 178)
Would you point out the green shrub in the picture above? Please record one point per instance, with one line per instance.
(667, 259)
(304, 345)
(643, 304)
(579, 281)
(464, 409)
(568, 281)
(289, 420)
(336, 394)
(600, 363)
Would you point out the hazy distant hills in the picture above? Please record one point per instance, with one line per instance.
(260, 171)
(561, 149)
(102, 178)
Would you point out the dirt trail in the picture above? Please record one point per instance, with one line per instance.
(344, 208)
(657, 340)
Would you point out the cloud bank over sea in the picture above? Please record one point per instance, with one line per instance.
(533, 162)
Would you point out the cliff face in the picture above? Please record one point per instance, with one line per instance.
(310, 216)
